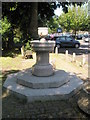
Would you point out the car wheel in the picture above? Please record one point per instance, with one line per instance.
(77, 46)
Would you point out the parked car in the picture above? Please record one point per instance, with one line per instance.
(67, 41)
(79, 36)
(86, 38)
(55, 37)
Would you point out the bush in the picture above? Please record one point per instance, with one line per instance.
(28, 46)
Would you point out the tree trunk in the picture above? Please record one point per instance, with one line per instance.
(10, 39)
(33, 28)
(75, 33)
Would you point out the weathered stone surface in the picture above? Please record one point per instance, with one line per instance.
(30, 94)
(42, 45)
(42, 49)
(42, 70)
(26, 78)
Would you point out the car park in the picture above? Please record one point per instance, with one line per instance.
(67, 41)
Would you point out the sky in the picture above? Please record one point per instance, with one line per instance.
(58, 11)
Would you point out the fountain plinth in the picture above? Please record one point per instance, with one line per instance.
(42, 49)
(27, 84)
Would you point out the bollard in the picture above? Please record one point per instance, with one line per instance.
(80, 64)
(74, 57)
(22, 51)
(53, 64)
(56, 50)
(84, 59)
(66, 54)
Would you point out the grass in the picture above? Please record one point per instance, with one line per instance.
(16, 63)
(65, 64)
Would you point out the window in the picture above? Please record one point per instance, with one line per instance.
(69, 38)
(62, 38)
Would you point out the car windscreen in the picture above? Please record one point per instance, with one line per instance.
(62, 38)
(68, 38)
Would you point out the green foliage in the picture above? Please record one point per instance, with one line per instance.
(53, 24)
(28, 46)
(76, 19)
(89, 22)
(4, 26)
(17, 35)
(20, 15)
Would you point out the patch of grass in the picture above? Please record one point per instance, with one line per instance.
(17, 63)
(10, 63)
(62, 63)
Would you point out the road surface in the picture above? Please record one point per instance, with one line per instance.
(84, 49)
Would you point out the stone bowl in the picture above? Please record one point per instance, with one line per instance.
(43, 45)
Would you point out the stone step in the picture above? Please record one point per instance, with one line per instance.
(26, 78)
(29, 94)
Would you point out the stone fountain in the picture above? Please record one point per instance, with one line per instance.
(42, 82)
(42, 49)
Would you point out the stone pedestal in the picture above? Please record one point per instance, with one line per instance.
(42, 66)
(26, 85)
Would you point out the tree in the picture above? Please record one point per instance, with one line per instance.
(66, 4)
(76, 19)
(28, 16)
(53, 24)
(25, 15)
(6, 32)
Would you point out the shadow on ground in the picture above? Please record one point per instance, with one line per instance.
(10, 53)
(74, 50)
(15, 108)
(6, 73)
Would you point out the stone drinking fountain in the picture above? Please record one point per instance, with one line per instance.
(42, 82)
(42, 49)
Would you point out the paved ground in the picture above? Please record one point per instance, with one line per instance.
(14, 108)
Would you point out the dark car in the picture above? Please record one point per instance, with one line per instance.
(79, 36)
(55, 37)
(67, 41)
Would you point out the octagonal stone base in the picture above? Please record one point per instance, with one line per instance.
(26, 78)
(50, 90)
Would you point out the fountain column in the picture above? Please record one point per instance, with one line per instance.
(42, 49)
